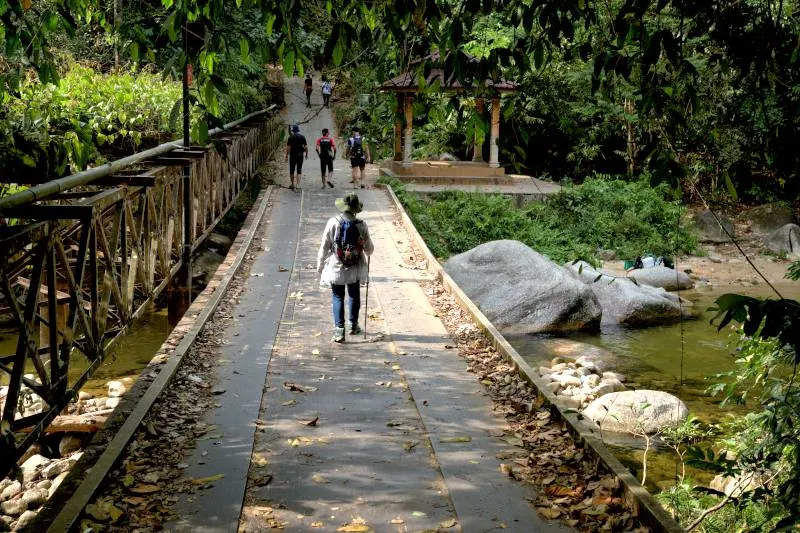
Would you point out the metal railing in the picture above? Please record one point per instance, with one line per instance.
(93, 249)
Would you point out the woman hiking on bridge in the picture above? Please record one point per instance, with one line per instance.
(342, 262)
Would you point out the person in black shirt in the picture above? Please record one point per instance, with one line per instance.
(309, 86)
(296, 151)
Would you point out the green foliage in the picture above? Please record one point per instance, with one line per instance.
(52, 130)
(686, 504)
(628, 217)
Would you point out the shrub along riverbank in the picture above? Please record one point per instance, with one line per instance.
(580, 222)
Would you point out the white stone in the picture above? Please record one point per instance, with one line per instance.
(591, 363)
(567, 380)
(14, 488)
(32, 466)
(583, 371)
(56, 482)
(545, 371)
(592, 380)
(639, 411)
(569, 402)
(24, 520)
(69, 444)
(44, 484)
(34, 498)
(13, 507)
(112, 403)
(84, 395)
(614, 375)
(116, 389)
(554, 387)
(559, 367)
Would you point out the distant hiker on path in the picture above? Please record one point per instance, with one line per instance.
(327, 89)
(309, 84)
(358, 152)
(342, 262)
(296, 151)
(326, 150)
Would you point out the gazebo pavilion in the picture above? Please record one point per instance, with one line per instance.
(406, 88)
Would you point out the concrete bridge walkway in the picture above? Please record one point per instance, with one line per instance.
(403, 437)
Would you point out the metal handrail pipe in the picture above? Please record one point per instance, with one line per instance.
(49, 188)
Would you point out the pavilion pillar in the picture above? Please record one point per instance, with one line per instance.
(494, 147)
(398, 129)
(409, 112)
(477, 154)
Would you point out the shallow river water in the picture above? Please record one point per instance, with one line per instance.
(681, 359)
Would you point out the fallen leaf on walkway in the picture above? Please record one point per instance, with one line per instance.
(317, 334)
(294, 387)
(282, 268)
(314, 352)
(208, 479)
(260, 481)
(316, 478)
(104, 510)
(514, 440)
(151, 477)
(395, 367)
(397, 521)
(128, 480)
(217, 392)
(447, 524)
(409, 445)
(356, 528)
(549, 512)
(134, 500)
(456, 439)
(548, 480)
(506, 469)
(312, 422)
(260, 460)
(557, 491)
(143, 488)
(290, 403)
(404, 427)
(317, 524)
(418, 513)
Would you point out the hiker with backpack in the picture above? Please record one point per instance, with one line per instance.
(358, 152)
(342, 263)
(296, 151)
(309, 86)
(326, 150)
(327, 89)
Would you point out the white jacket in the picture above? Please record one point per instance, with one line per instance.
(332, 271)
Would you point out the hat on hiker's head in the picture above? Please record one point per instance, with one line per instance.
(295, 129)
(324, 131)
(349, 204)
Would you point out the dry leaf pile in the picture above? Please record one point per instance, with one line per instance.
(138, 496)
(572, 486)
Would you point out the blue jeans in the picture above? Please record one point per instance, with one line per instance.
(354, 291)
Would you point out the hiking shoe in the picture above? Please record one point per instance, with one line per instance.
(338, 335)
(355, 329)
(329, 184)
(363, 187)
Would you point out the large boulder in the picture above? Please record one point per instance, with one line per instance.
(784, 240)
(768, 217)
(637, 411)
(626, 303)
(522, 291)
(661, 276)
(710, 230)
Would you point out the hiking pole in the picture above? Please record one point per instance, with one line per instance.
(366, 301)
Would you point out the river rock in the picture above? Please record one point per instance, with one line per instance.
(554, 387)
(14, 488)
(735, 485)
(56, 483)
(32, 467)
(219, 241)
(13, 507)
(69, 443)
(44, 484)
(614, 375)
(626, 303)
(607, 386)
(57, 467)
(661, 276)
(24, 520)
(521, 291)
(116, 389)
(34, 498)
(84, 395)
(592, 362)
(112, 403)
(637, 411)
(768, 217)
(566, 380)
(709, 230)
(784, 240)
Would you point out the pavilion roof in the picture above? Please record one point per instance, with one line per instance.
(407, 81)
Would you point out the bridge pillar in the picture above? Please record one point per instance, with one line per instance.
(494, 147)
